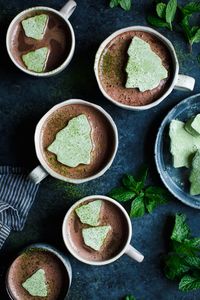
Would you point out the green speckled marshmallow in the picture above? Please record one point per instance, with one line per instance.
(193, 125)
(36, 284)
(94, 237)
(144, 68)
(34, 27)
(89, 213)
(195, 175)
(36, 60)
(73, 144)
(183, 144)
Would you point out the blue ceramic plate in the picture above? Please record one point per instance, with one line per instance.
(176, 180)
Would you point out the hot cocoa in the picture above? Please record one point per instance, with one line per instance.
(27, 264)
(102, 137)
(57, 39)
(112, 65)
(110, 217)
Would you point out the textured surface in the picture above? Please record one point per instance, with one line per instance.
(23, 100)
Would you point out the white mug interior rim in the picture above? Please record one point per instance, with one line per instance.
(160, 37)
(38, 144)
(66, 236)
(9, 34)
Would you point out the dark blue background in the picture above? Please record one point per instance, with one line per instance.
(23, 100)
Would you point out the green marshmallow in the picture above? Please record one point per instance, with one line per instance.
(36, 284)
(73, 144)
(193, 125)
(183, 145)
(89, 213)
(144, 68)
(94, 237)
(34, 27)
(195, 175)
(36, 60)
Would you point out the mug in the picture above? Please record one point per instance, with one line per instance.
(64, 14)
(40, 172)
(179, 82)
(127, 249)
(45, 247)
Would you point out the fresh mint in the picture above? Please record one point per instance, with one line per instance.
(143, 198)
(181, 230)
(125, 4)
(192, 33)
(170, 12)
(182, 263)
(122, 194)
(189, 283)
(165, 14)
(138, 206)
(161, 10)
(156, 22)
(190, 8)
(129, 297)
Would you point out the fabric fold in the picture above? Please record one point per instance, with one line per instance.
(17, 194)
(4, 233)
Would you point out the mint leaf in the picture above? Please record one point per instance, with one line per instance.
(161, 10)
(171, 11)
(186, 29)
(137, 206)
(193, 243)
(130, 297)
(181, 230)
(114, 3)
(125, 4)
(183, 260)
(121, 194)
(154, 21)
(191, 8)
(130, 183)
(155, 196)
(196, 37)
(175, 267)
(182, 249)
(142, 176)
(193, 261)
(189, 283)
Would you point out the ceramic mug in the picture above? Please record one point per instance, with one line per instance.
(46, 247)
(40, 172)
(64, 14)
(127, 248)
(179, 82)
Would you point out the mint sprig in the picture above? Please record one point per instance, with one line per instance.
(144, 199)
(182, 263)
(192, 33)
(165, 15)
(125, 4)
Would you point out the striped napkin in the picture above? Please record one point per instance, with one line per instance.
(17, 194)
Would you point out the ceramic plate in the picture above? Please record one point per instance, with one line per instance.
(176, 180)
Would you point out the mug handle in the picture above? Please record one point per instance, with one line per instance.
(38, 174)
(185, 83)
(134, 254)
(68, 9)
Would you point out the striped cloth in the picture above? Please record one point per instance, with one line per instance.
(17, 194)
